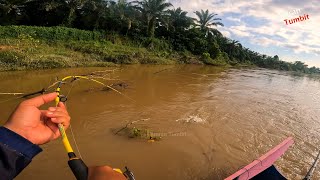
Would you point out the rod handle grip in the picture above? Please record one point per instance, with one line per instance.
(79, 168)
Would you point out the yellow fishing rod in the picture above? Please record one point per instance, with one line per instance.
(65, 140)
(78, 167)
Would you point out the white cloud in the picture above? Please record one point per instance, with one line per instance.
(239, 32)
(230, 18)
(272, 30)
(263, 41)
(225, 33)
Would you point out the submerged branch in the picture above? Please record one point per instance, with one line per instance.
(130, 123)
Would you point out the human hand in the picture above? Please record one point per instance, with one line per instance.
(104, 173)
(38, 126)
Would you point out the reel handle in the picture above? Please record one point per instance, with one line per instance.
(78, 167)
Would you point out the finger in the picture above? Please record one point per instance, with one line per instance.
(104, 172)
(43, 115)
(52, 114)
(63, 120)
(59, 109)
(59, 117)
(40, 100)
(53, 125)
(62, 105)
(43, 111)
(54, 128)
(100, 168)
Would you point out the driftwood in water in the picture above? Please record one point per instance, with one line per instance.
(130, 123)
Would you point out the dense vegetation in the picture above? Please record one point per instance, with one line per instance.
(29, 47)
(143, 31)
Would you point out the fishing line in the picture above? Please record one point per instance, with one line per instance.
(74, 140)
(72, 134)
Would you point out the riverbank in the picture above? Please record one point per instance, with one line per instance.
(23, 48)
(17, 54)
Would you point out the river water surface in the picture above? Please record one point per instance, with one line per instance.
(212, 121)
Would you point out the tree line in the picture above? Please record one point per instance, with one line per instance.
(145, 19)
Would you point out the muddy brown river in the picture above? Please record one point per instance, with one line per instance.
(212, 121)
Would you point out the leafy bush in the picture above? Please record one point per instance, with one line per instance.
(50, 33)
(206, 58)
(225, 56)
(214, 50)
(10, 57)
(48, 63)
(218, 61)
(156, 44)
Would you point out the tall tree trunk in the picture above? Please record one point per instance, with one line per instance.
(129, 26)
(70, 18)
(151, 27)
(74, 4)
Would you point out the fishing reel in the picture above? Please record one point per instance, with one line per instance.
(63, 98)
(128, 174)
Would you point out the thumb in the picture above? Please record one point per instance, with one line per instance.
(40, 100)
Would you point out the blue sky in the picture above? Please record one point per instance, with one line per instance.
(260, 26)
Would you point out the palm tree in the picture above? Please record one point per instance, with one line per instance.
(206, 20)
(72, 5)
(93, 14)
(299, 66)
(179, 19)
(153, 10)
(8, 7)
(126, 13)
(11, 11)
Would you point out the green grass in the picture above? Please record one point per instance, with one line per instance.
(34, 48)
(21, 54)
(28, 53)
(50, 33)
